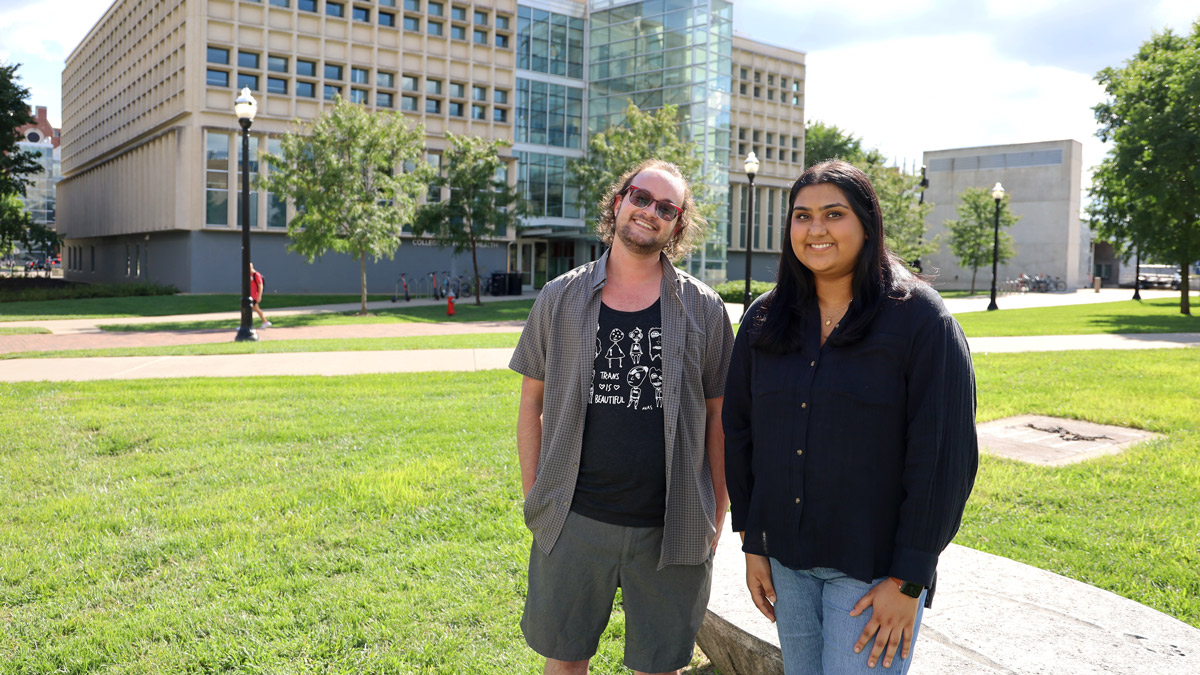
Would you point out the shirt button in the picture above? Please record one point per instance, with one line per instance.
(803, 405)
(799, 452)
(797, 500)
(813, 363)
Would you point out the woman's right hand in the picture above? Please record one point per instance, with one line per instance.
(758, 580)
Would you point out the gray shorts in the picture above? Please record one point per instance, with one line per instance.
(571, 595)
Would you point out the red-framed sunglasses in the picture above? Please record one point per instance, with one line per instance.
(662, 208)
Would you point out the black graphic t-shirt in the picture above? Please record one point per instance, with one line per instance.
(622, 468)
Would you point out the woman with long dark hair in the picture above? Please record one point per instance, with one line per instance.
(850, 444)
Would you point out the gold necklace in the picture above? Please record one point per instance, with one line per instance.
(829, 318)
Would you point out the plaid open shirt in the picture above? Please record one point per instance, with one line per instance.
(558, 348)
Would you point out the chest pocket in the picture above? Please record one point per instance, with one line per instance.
(870, 373)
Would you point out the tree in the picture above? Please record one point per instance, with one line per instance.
(1146, 191)
(481, 205)
(14, 223)
(972, 235)
(15, 164)
(826, 141)
(616, 150)
(355, 178)
(903, 214)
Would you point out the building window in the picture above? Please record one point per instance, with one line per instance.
(458, 13)
(433, 106)
(478, 112)
(499, 115)
(331, 91)
(360, 76)
(218, 55)
(306, 89)
(387, 3)
(335, 8)
(458, 33)
(276, 85)
(435, 9)
(501, 22)
(455, 109)
(362, 14)
(281, 3)
(412, 5)
(412, 23)
(333, 72)
(434, 27)
(277, 64)
(216, 167)
(408, 83)
(433, 86)
(385, 79)
(247, 60)
(499, 96)
(387, 19)
(216, 78)
(408, 103)
(501, 41)
(358, 96)
(276, 204)
(383, 99)
(246, 80)
(307, 5)
(481, 37)
(458, 90)
(481, 18)
(306, 68)
(479, 93)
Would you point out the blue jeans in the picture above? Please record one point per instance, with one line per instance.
(817, 633)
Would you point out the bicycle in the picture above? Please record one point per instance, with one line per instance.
(399, 283)
(462, 286)
(436, 291)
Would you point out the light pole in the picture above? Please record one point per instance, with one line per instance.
(1137, 276)
(997, 194)
(921, 200)
(751, 167)
(245, 107)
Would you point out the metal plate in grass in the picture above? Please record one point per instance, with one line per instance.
(1053, 441)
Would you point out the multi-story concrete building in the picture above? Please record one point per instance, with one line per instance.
(1042, 181)
(41, 139)
(151, 144)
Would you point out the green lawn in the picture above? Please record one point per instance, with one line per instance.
(156, 305)
(1160, 315)
(465, 341)
(22, 330)
(490, 310)
(373, 523)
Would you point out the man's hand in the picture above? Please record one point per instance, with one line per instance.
(758, 580)
(893, 617)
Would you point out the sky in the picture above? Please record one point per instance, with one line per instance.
(905, 76)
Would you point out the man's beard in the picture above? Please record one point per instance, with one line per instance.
(639, 247)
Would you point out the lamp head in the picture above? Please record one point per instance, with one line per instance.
(245, 107)
(751, 164)
(998, 191)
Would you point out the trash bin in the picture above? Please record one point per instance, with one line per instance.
(514, 283)
(499, 283)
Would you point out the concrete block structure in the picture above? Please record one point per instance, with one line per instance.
(150, 144)
(1042, 181)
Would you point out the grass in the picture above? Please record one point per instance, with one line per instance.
(373, 523)
(503, 310)
(464, 341)
(1160, 315)
(158, 305)
(23, 330)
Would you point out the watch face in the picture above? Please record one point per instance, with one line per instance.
(911, 589)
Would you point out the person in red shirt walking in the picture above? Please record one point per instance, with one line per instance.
(256, 291)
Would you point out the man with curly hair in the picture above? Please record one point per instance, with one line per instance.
(624, 487)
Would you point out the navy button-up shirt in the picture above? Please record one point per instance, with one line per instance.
(858, 457)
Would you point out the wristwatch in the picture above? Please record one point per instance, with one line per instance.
(911, 589)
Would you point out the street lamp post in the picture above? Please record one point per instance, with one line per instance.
(751, 167)
(997, 194)
(1137, 276)
(921, 200)
(245, 107)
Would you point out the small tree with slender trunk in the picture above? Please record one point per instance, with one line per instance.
(481, 204)
(355, 177)
(972, 236)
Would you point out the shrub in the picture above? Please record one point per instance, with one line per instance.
(735, 290)
(10, 291)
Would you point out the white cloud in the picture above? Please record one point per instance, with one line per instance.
(1178, 14)
(910, 95)
(864, 11)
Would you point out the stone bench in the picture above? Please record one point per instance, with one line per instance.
(991, 615)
